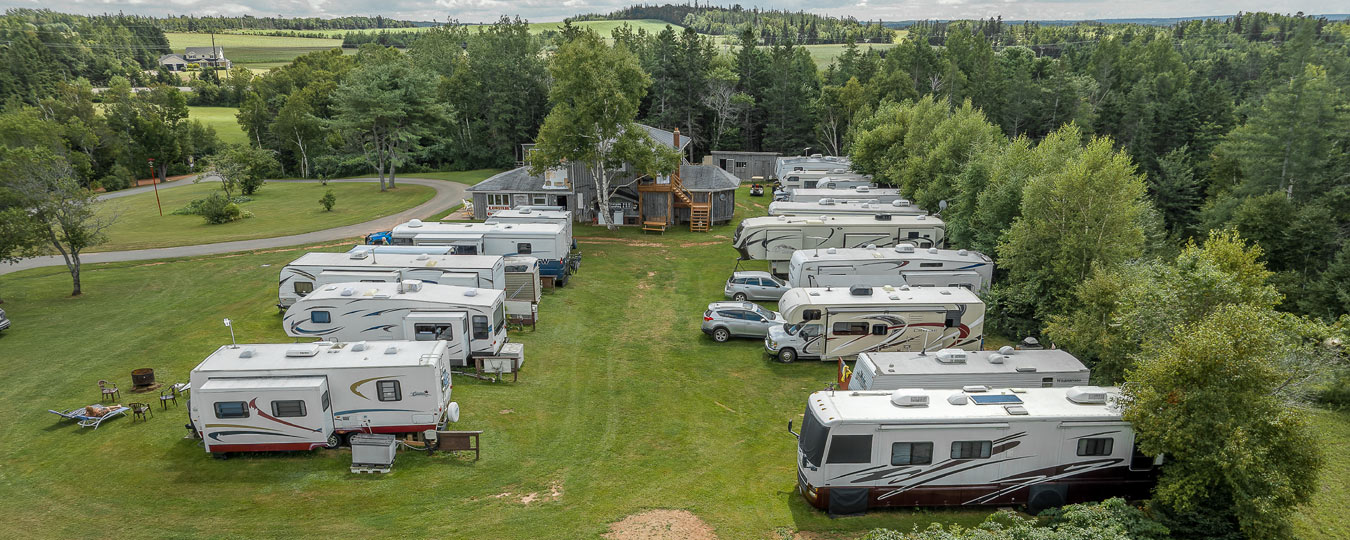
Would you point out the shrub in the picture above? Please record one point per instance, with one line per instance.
(328, 200)
(217, 209)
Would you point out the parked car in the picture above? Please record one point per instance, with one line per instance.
(756, 190)
(4, 322)
(754, 286)
(724, 320)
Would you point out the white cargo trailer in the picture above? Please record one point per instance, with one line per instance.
(1039, 447)
(777, 238)
(899, 265)
(956, 368)
(315, 270)
(840, 322)
(301, 396)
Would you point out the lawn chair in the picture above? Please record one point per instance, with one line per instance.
(171, 394)
(141, 410)
(109, 390)
(82, 416)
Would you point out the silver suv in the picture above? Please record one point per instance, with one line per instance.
(754, 286)
(4, 323)
(724, 320)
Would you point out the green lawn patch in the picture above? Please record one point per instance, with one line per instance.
(223, 119)
(279, 209)
(1326, 516)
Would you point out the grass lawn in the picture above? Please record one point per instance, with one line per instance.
(278, 209)
(253, 51)
(1326, 517)
(623, 406)
(223, 119)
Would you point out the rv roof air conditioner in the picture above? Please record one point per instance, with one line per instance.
(831, 251)
(392, 349)
(951, 356)
(900, 202)
(248, 352)
(348, 291)
(932, 250)
(471, 292)
(909, 397)
(826, 201)
(415, 223)
(920, 218)
(1086, 394)
(872, 247)
(997, 358)
(975, 389)
(363, 254)
(862, 189)
(359, 346)
(904, 248)
(1007, 350)
(859, 290)
(962, 252)
(958, 399)
(303, 349)
(409, 286)
(526, 210)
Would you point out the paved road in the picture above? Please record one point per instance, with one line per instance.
(447, 195)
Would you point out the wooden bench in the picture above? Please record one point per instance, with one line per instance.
(655, 226)
(456, 441)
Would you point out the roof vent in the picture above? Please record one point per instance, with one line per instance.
(1016, 410)
(831, 251)
(348, 291)
(951, 356)
(945, 290)
(526, 210)
(248, 352)
(860, 290)
(920, 218)
(1006, 350)
(423, 257)
(883, 217)
(415, 223)
(962, 252)
(363, 254)
(359, 346)
(957, 399)
(872, 247)
(975, 388)
(826, 202)
(904, 248)
(1086, 394)
(894, 297)
(409, 286)
(997, 358)
(900, 202)
(909, 397)
(782, 218)
(862, 189)
(1031, 343)
(1026, 369)
(303, 349)
(471, 292)
(392, 349)
(932, 250)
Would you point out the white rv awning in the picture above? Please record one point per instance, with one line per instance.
(262, 383)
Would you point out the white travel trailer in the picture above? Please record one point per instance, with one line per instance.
(533, 215)
(1039, 447)
(831, 179)
(405, 250)
(315, 270)
(551, 243)
(776, 238)
(881, 195)
(899, 265)
(843, 322)
(471, 321)
(301, 396)
(522, 288)
(815, 162)
(844, 207)
(956, 368)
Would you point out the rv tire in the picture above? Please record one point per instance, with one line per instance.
(721, 335)
(334, 441)
(220, 455)
(787, 356)
(1045, 498)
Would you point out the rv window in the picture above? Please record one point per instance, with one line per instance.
(320, 317)
(912, 453)
(432, 332)
(231, 409)
(811, 315)
(809, 184)
(303, 287)
(878, 329)
(499, 317)
(401, 241)
(850, 329)
(481, 330)
(811, 330)
(930, 264)
(812, 440)
(850, 449)
(524, 248)
(913, 234)
(971, 449)
(289, 408)
(324, 400)
(389, 390)
(464, 250)
(1095, 447)
(1047, 382)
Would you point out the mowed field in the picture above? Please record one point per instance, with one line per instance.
(279, 209)
(258, 53)
(223, 120)
(623, 407)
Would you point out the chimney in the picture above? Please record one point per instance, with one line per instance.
(677, 139)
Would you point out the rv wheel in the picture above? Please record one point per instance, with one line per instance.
(1044, 500)
(721, 335)
(220, 455)
(739, 297)
(334, 441)
(787, 356)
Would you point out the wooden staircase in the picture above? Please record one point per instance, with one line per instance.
(700, 213)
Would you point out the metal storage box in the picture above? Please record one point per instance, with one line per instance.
(372, 452)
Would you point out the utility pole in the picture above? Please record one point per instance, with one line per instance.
(155, 183)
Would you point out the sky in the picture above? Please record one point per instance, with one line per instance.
(555, 10)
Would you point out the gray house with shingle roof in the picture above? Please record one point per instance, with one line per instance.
(202, 56)
(572, 188)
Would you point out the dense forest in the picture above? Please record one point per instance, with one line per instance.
(43, 48)
(217, 23)
(770, 25)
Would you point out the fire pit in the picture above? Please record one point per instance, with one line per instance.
(143, 378)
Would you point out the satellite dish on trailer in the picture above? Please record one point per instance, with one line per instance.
(942, 205)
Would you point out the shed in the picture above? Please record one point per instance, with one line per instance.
(746, 166)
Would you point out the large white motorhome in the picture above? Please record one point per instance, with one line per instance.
(315, 270)
(301, 396)
(845, 321)
(844, 207)
(776, 238)
(831, 179)
(551, 243)
(881, 195)
(956, 368)
(1039, 447)
(815, 162)
(472, 321)
(532, 215)
(898, 265)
